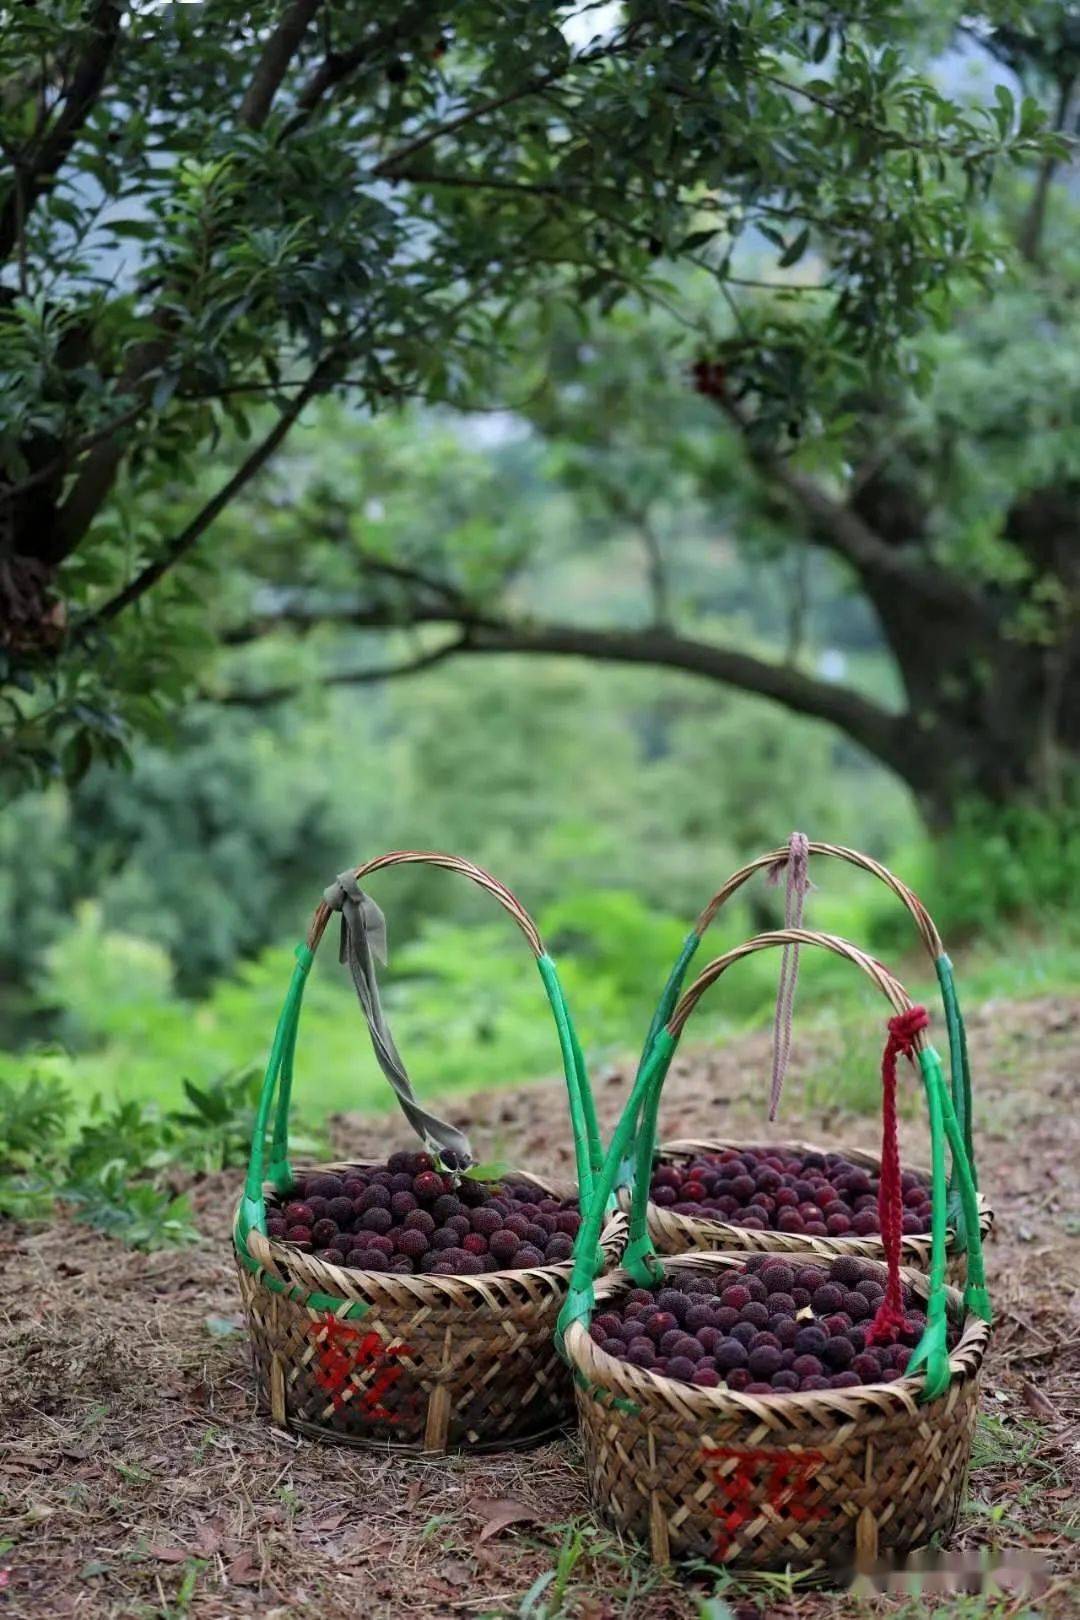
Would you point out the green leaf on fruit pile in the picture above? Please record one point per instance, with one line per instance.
(496, 1171)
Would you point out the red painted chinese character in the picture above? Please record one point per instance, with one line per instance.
(340, 1350)
(786, 1476)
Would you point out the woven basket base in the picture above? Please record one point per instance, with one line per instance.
(426, 1377)
(524, 1442)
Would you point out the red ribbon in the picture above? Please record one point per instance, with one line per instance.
(903, 1029)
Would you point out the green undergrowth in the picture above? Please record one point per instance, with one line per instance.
(468, 1010)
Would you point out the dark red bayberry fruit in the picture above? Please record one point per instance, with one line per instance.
(322, 1186)
(504, 1245)
(373, 1197)
(810, 1341)
(428, 1185)
(412, 1243)
(809, 1278)
(766, 1361)
(368, 1260)
(681, 1367)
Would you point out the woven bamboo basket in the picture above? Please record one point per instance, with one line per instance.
(410, 1363)
(806, 1482)
(801, 1481)
(675, 1233)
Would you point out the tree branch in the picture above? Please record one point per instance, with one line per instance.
(98, 474)
(876, 729)
(182, 543)
(339, 65)
(840, 528)
(273, 64)
(39, 168)
(265, 696)
(1029, 241)
(387, 167)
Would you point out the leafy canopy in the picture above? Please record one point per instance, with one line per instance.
(212, 214)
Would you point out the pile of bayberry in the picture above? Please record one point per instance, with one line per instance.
(778, 1189)
(406, 1217)
(775, 1325)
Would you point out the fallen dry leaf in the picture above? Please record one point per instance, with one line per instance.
(332, 1521)
(1036, 1402)
(500, 1511)
(242, 1572)
(169, 1555)
(208, 1538)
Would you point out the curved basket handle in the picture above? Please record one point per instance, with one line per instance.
(959, 1063)
(279, 1069)
(635, 1132)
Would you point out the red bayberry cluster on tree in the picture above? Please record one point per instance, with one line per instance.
(785, 1190)
(775, 1326)
(709, 378)
(407, 1217)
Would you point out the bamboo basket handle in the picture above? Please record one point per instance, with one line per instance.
(633, 1133)
(279, 1070)
(959, 1062)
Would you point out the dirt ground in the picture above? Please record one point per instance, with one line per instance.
(135, 1479)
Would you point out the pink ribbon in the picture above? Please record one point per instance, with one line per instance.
(798, 882)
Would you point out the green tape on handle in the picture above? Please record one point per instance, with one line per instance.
(664, 1009)
(578, 1091)
(975, 1295)
(580, 1298)
(253, 1208)
(931, 1351)
(959, 1061)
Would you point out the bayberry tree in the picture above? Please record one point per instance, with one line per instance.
(210, 216)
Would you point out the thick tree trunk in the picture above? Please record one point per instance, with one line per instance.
(990, 717)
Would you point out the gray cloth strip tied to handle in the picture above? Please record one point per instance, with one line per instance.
(363, 940)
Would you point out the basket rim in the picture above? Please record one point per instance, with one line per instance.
(828, 1407)
(321, 1277)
